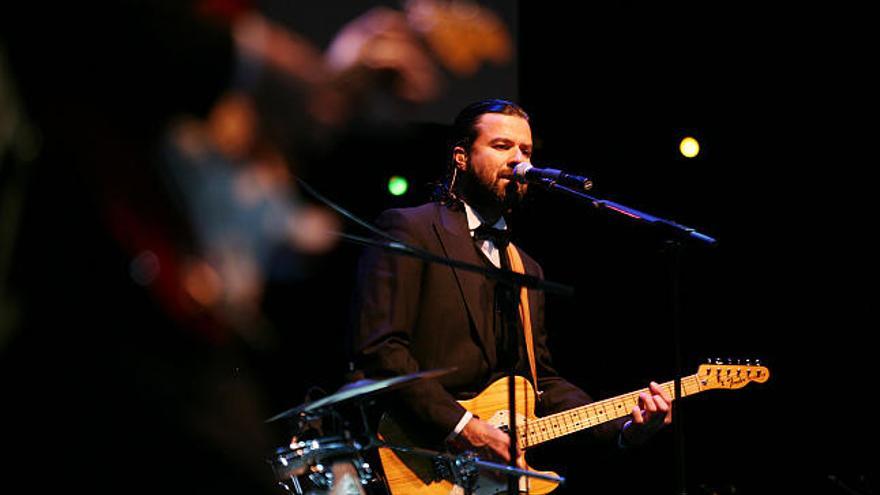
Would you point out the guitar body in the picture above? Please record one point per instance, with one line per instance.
(408, 473)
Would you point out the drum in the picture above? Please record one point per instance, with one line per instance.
(323, 466)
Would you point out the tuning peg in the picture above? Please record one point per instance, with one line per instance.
(748, 362)
(718, 361)
(757, 362)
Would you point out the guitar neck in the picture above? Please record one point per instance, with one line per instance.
(540, 430)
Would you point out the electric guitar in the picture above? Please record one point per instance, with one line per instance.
(408, 473)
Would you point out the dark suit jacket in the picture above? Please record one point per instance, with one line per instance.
(415, 316)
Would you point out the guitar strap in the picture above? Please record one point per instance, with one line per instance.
(517, 266)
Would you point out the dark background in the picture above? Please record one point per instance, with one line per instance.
(779, 99)
(773, 95)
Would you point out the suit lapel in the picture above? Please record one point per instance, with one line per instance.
(452, 231)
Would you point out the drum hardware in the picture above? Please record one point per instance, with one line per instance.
(461, 469)
(323, 465)
(334, 462)
(358, 392)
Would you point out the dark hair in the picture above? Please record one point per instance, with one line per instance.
(464, 133)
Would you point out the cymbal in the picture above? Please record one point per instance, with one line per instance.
(360, 390)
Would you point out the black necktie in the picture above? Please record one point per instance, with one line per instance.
(506, 325)
(499, 237)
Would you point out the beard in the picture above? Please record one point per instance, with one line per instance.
(479, 192)
(516, 191)
(512, 194)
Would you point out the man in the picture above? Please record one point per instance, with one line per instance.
(416, 316)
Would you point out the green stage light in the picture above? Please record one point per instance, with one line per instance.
(398, 185)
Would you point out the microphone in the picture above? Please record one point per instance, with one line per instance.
(525, 172)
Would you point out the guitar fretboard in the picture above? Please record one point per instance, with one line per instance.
(540, 430)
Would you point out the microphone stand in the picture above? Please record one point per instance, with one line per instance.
(507, 277)
(510, 339)
(510, 278)
(674, 251)
(676, 235)
(514, 281)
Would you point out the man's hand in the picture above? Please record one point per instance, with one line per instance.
(484, 439)
(653, 413)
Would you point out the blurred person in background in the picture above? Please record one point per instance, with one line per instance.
(157, 185)
(147, 186)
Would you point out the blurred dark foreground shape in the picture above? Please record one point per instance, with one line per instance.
(146, 197)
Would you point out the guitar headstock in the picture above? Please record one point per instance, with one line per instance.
(731, 375)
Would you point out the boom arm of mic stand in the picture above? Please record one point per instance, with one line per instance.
(504, 276)
(463, 460)
(394, 245)
(510, 471)
(677, 229)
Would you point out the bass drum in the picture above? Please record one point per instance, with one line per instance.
(324, 466)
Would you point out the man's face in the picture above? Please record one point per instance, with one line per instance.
(502, 141)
